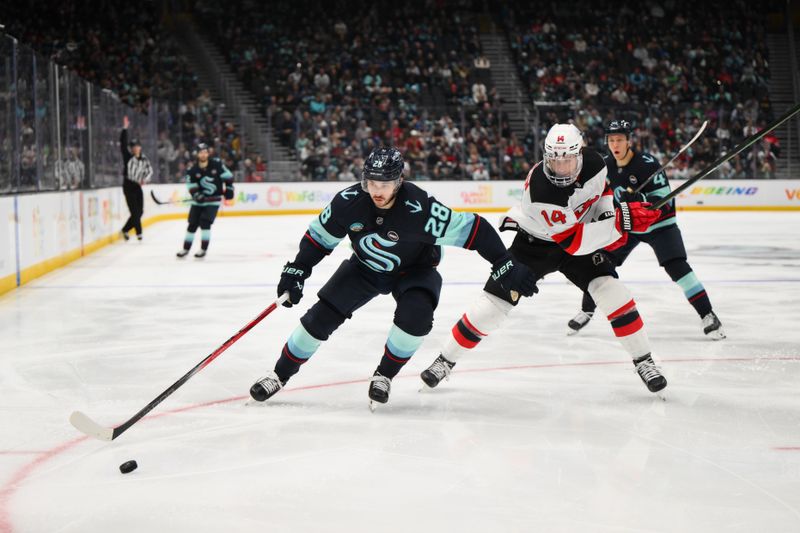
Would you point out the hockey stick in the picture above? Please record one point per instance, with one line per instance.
(668, 163)
(160, 202)
(86, 425)
(747, 143)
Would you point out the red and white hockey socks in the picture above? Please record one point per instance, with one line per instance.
(616, 301)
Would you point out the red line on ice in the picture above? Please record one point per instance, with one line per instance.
(11, 486)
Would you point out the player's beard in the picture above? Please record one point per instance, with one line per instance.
(383, 202)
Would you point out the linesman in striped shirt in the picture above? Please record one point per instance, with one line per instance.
(136, 171)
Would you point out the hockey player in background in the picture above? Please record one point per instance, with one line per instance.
(565, 216)
(396, 231)
(626, 170)
(208, 180)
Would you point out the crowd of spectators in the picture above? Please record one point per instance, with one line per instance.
(666, 66)
(128, 49)
(339, 78)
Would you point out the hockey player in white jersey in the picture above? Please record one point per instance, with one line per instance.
(565, 216)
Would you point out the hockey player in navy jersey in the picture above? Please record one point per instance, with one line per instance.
(396, 231)
(626, 170)
(208, 180)
(565, 216)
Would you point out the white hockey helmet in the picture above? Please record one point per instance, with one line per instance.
(563, 159)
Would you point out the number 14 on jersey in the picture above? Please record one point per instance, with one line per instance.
(555, 216)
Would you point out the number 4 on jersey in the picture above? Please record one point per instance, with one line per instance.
(555, 216)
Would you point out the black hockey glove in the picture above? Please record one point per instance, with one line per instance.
(292, 280)
(229, 193)
(198, 196)
(514, 277)
(630, 196)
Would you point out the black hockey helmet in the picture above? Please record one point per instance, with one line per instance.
(200, 147)
(383, 164)
(619, 126)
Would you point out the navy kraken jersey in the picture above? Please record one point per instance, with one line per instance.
(209, 181)
(407, 235)
(638, 169)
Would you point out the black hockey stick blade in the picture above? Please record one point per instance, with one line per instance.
(89, 427)
(156, 200)
(668, 163)
(161, 202)
(744, 145)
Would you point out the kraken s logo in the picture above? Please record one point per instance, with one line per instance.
(373, 253)
(208, 186)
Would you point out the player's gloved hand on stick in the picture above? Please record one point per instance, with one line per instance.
(292, 280)
(229, 193)
(198, 196)
(631, 196)
(635, 216)
(514, 277)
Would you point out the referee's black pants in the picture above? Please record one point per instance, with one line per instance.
(134, 197)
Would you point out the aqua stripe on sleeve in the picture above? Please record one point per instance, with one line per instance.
(323, 236)
(402, 344)
(458, 230)
(660, 192)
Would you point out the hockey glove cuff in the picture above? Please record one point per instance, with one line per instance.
(514, 277)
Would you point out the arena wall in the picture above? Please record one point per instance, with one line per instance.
(48, 230)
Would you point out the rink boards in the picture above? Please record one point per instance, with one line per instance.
(48, 230)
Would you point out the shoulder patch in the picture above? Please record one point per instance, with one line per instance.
(348, 193)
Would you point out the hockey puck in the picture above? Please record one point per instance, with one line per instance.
(128, 466)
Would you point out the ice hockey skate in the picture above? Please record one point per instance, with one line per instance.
(650, 373)
(379, 388)
(712, 327)
(579, 322)
(266, 387)
(200, 254)
(183, 253)
(440, 369)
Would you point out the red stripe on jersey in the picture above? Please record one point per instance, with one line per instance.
(470, 326)
(576, 241)
(576, 232)
(474, 232)
(461, 339)
(607, 191)
(622, 310)
(630, 329)
(315, 243)
(564, 235)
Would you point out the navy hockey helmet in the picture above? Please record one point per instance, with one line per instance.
(200, 147)
(383, 164)
(619, 126)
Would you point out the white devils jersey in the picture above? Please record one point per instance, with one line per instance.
(580, 218)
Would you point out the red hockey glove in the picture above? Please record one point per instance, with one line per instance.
(634, 216)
